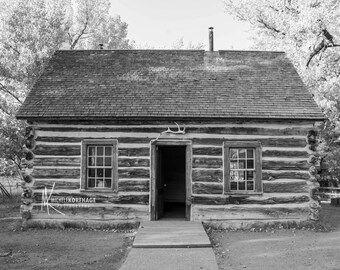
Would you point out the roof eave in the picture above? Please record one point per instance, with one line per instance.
(169, 118)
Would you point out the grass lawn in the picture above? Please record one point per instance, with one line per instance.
(88, 249)
(56, 249)
(281, 249)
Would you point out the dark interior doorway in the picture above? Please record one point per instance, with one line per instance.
(171, 182)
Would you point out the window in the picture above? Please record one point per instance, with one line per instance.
(242, 167)
(99, 165)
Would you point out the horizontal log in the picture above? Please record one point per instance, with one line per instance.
(240, 130)
(203, 162)
(56, 173)
(276, 123)
(207, 175)
(48, 161)
(134, 185)
(136, 162)
(285, 186)
(57, 150)
(131, 199)
(207, 151)
(100, 197)
(249, 199)
(267, 142)
(90, 212)
(284, 165)
(268, 175)
(134, 152)
(278, 153)
(251, 211)
(133, 173)
(81, 138)
(207, 188)
(96, 197)
(42, 184)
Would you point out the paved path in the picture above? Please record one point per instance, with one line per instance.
(169, 245)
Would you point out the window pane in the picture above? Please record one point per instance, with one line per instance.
(92, 150)
(107, 183)
(242, 185)
(233, 164)
(108, 151)
(242, 153)
(92, 161)
(250, 164)
(100, 183)
(99, 166)
(91, 182)
(100, 172)
(233, 154)
(91, 172)
(250, 185)
(100, 151)
(233, 185)
(108, 161)
(99, 161)
(250, 175)
(233, 176)
(242, 169)
(108, 173)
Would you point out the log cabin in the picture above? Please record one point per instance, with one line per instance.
(150, 134)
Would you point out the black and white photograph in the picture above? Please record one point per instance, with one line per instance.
(170, 134)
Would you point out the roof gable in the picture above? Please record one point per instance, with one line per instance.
(129, 84)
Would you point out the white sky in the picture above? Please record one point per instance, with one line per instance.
(160, 23)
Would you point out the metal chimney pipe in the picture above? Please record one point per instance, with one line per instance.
(211, 39)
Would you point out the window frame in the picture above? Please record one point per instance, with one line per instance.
(227, 145)
(84, 157)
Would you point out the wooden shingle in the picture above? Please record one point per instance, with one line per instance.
(140, 84)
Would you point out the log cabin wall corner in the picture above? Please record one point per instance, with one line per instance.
(183, 137)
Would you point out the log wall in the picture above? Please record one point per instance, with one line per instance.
(285, 171)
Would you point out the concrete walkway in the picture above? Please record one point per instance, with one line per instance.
(169, 245)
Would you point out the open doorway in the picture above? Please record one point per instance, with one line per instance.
(171, 180)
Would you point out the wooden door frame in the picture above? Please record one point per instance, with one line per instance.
(188, 173)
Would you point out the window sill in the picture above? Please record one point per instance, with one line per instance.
(98, 190)
(244, 193)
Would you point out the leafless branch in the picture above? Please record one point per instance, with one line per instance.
(81, 33)
(266, 25)
(4, 89)
(326, 42)
(11, 47)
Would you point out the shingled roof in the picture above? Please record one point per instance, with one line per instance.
(146, 84)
